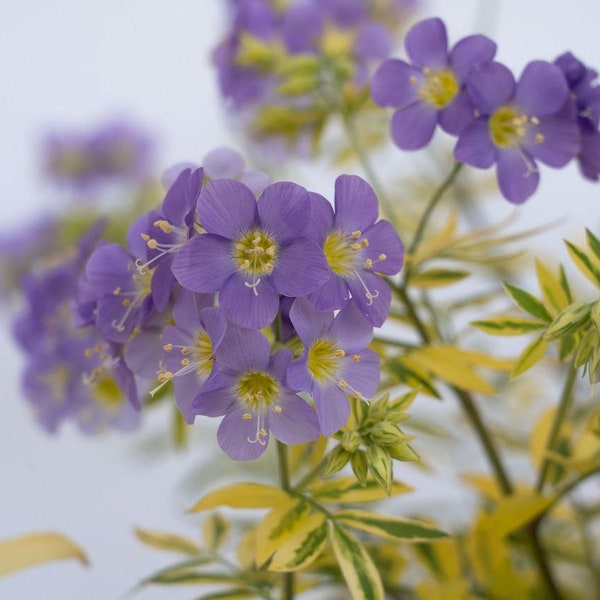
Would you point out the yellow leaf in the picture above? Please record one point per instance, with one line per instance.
(512, 512)
(303, 546)
(553, 293)
(435, 242)
(539, 436)
(531, 355)
(361, 575)
(446, 590)
(347, 489)
(242, 495)
(278, 526)
(29, 550)
(167, 541)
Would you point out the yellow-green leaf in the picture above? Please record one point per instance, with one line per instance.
(432, 278)
(568, 319)
(528, 302)
(531, 355)
(553, 292)
(28, 550)
(304, 545)
(394, 528)
(361, 575)
(278, 526)
(192, 577)
(588, 265)
(215, 530)
(232, 594)
(512, 512)
(167, 541)
(507, 325)
(242, 495)
(347, 489)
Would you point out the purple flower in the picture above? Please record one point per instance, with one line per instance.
(252, 251)
(357, 248)
(250, 391)
(335, 362)
(431, 89)
(585, 104)
(517, 124)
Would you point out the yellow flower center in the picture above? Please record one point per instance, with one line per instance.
(257, 390)
(255, 254)
(341, 251)
(323, 358)
(439, 88)
(508, 127)
(107, 393)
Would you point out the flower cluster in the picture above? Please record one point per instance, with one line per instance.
(550, 114)
(284, 71)
(208, 283)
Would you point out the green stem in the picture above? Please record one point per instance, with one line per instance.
(365, 162)
(433, 202)
(287, 579)
(561, 413)
(312, 474)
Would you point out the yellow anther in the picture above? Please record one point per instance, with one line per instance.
(267, 268)
(168, 347)
(343, 383)
(364, 243)
(356, 234)
(145, 236)
(163, 225)
(340, 353)
(277, 408)
(412, 79)
(246, 416)
(534, 120)
(539, 138)
(271, 250)
(382, 257)
(356, 246)
(117, 290)
(426, 70)
(262, 432)
(355, 358)
(126, 302)
(166, 376)
(368, 263)
(88, 352)
(185, 362)
(152, 243)
(185, 350)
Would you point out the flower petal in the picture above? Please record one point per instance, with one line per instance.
(227, 208)
(234, 435)
(469, 51)
(203, 264)
(223, 163)
(385, 248)
(351, 330)
(427, 43)
(333, 408)
(475, 146)
(321, 218)
(308, 322)
(560, 141)
(297, 422)
(298, 377)
(516, 179)
(413, 126)
(542, 89)
(392, 85)
(375, 307)
(215, 398)
(490, 85)
(243, 350)
(458, 115)
(332, 295)
(362, 374)
(356, 205)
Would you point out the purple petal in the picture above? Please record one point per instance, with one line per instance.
(182, 196)
(243, 350)
(142, 225)
(516, 179)
(204, 263)
(256, 181)
(542, 89)
(561, 141)
(333, 408)
(458, 115)
(362, 375)
(384, 240)
(589, 156)
(301, 269)
(321, 217)
(245, 308)
(298, 377)
(490, 85)
(279, 363)
(234, 434)
(223, 163)
(475, 146)
(469, 51)
(186, 388)
(352, 332)
(227, 208)
(373, 41)
(186, 308)
(215, 398)
(162, 285)
(427, 43)
(284, 211)
(356, 205)
(332, 295)
(214, 323)
(413, 126)
(375, 310)
(297, 422)
(302, 28)
(144, 353)
(308, 322)
(392, 83)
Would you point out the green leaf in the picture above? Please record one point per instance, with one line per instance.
(192, 577)
(507, 325)
(531, 355)
(360, 467)
(528, 302)
(568, 319)
(303, 547)
(380, 466)
(215, 530)
(242, 495)
(166, 541)
(587, 265)
(393, 528)
(412, 375)
(361, 575)
(28, 550)
(232, 594)
(552, 290)
(593, 243)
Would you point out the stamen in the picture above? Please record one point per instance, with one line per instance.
(370, 295)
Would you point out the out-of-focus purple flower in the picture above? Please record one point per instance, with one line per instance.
(430, 89)
(585, 103)
(252, 252)
(335, 363)
(250, 391)
(357, 248)
(517, 124)
(116, 152)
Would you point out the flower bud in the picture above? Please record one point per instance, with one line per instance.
(336, 461)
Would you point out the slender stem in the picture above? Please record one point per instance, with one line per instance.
(561, 412)
(312, 474)
(539, 554)
(365, 162)
(433, 202)
(287, 579)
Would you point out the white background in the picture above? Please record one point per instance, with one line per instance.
(75, 64)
